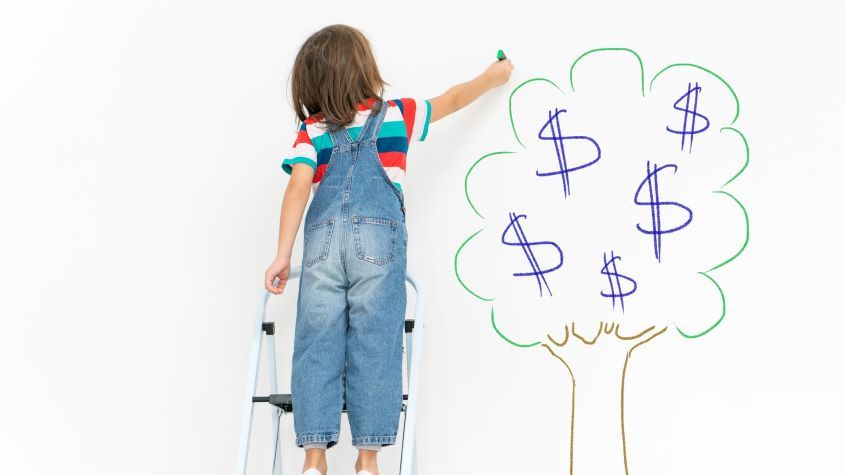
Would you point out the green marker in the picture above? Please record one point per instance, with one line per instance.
(501, 55)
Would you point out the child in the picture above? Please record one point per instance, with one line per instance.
(350, 151)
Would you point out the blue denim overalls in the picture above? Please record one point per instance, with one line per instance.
(351, 305)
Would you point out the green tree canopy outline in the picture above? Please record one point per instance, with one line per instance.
(559, 349)
(729, 128)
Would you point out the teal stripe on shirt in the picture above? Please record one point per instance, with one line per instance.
(392, 128)
(427, 120)
(322, 141)
(287, 164)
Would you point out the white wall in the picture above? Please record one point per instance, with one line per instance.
(139, 197)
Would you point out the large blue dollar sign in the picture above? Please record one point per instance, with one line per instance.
(522, 241)
(657, 231)
(613, 277)
(559, 140)
(689, 116)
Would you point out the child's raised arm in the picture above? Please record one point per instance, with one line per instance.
(461, 95)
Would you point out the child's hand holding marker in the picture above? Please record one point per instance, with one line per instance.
(499, 72)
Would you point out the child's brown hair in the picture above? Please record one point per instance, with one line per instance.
(334, 71)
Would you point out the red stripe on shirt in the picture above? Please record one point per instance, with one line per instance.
(302, 137)
(318, 175)
(368, 104)
(314, 118)
(362, 106)
(392, 159)
(409, 114)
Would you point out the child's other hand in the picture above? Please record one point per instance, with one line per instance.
(499, 72)
(279, 268)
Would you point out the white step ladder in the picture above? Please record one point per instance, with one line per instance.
(282, 402)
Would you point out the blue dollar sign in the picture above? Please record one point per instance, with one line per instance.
(654, 203)
(557, 137)
(613, 277)
(689, 116)
(526, 245)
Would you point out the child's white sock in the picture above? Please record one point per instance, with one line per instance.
(315, 445)
(375, 447)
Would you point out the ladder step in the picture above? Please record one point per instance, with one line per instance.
(285, 403)
(269, 328)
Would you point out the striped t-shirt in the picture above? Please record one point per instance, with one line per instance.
(405, 121)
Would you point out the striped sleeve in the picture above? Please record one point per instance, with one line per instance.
(416, 114)
(303, 151)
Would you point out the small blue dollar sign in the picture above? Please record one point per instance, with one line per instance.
(557, 137)
(613, 277)
(654, 203)
(689, 116)
(527, 248)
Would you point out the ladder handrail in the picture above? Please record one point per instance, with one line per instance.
(407, 465)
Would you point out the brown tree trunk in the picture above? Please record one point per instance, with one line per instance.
(597, 412)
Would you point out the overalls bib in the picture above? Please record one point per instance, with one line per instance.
(352, 296)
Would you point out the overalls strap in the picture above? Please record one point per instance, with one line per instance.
(369, 132)
(373, 124)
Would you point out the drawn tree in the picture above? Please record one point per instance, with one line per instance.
(601, 232)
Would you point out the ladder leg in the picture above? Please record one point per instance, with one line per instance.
(408, 460)
(414, 464)
(408, 349)
(409, 440)
(252, 384)
(408, 342)
(413, 438)
(274, 389)
(414, 450)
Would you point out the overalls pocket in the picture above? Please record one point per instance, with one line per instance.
(317, 239)
(375, 239)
